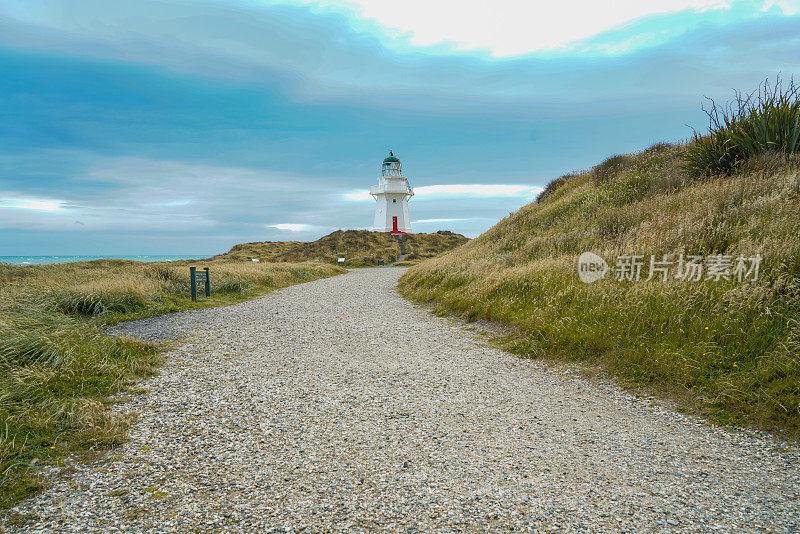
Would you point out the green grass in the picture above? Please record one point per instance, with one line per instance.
(58, 370)
(727, 350)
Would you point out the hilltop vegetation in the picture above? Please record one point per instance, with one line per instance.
(361, 248)
(58, 369)
(729, 349)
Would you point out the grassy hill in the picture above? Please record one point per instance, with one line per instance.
(727, 349)
(361, 248)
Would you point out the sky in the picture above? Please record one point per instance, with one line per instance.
(187, 126)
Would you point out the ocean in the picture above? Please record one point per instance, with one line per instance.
(42, 260)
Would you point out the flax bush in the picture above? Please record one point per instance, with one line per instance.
(764, 121)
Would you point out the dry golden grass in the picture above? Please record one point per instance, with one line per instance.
(361, 248)
(727, 349)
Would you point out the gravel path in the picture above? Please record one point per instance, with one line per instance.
(337, 405)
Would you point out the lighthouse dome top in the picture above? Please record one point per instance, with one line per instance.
(391, 158)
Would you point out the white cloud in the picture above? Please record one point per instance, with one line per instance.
(36, 204)
(789, 7)
(436, 220)
(293, 227)
(164, 195)
(248, 40)
(510, 27)
(462, 190)
(173, 203)
(476, 190)
(454, 220)
(359, 195)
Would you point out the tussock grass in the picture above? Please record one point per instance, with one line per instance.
(762, 122)
(361, 248)
(554, 185)
(424, 246)
(728, 350)
(58, 370)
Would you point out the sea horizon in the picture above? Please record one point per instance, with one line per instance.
(72, 258)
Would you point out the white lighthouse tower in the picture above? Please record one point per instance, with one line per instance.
(391, 196)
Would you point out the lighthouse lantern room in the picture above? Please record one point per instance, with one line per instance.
(391, 196)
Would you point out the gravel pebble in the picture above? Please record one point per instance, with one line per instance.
(336, 405)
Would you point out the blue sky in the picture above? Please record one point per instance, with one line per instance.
(177, 126)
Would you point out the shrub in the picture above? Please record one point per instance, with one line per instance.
(36, 336)
(10, 273)
(78, 303)
(552, 186)
(766, 120)
(92, 304)
(659, 147)
(163, 273)
(234, 286)
(604, 171)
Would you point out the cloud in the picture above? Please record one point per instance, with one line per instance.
(222, 204)
(506, 27)
(293, 227)
(436, 220)
(166, 195)
(358, 195)
(173, 203)
(336, 54)
(476, 190)
(461, 191)
(450, 220)
(35, 204)
(789, 7)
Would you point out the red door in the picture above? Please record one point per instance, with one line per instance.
(394, 224)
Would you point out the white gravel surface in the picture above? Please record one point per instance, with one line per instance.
(337, 405)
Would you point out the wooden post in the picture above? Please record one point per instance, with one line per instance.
(193, 272)
(208, 281)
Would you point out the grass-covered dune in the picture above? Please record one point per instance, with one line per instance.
(361, 248)
(57, 368)
(727, 349)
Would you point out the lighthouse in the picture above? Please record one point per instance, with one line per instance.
(391, 198)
